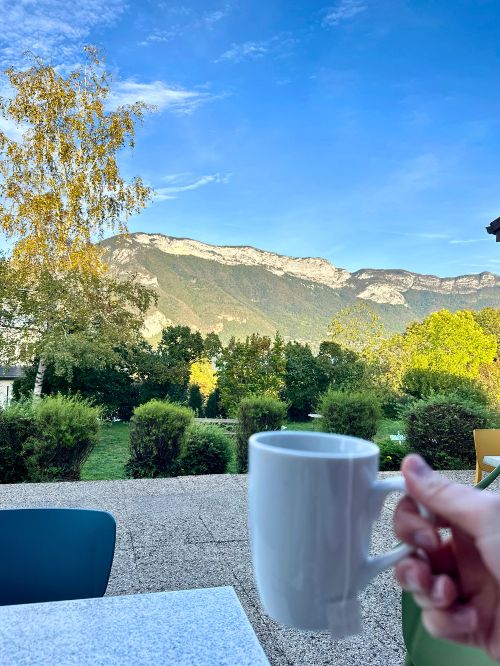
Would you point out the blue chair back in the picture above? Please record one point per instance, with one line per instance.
(54, 554)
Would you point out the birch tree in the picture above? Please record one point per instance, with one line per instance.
(60, 191)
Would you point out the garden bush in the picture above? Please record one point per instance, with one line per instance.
(208, 450)
(67, 431)
(440, 429)
(256, 415)
(17, 424)
(355, 414)
(391, 454)
(157, 434)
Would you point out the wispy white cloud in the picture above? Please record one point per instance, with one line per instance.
(457, 241)
(51, 28)
(158, 36)
(159, 94)
(179, 183)
(187, 21)
(429, 235)
(277, 46)
(211, 18)
(244, 51)
(343, 10)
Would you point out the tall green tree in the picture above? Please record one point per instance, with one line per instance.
(304, 380)
(358, 328)
(251, 367)
(165, 371)
(449, 342)
(195, 400)
(212, 345)
(113, 387)
(489, 320)
(74, 320)
(178, 348)
(344, 369)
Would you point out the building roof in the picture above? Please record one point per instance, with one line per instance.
(11, 373)
(494, 228)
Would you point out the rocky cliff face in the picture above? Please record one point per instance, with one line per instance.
(312, 268)
(379, 286)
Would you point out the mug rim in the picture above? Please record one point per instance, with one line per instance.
(371, 449)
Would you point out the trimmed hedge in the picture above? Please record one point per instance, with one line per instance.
(391, 455)
(48, 440)
(17, 424)
(256, 415)
(208, 450)
(356, 414)
(440, 429)
(157, 434)
(68, 431)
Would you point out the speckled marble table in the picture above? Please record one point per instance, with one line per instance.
(193, 627)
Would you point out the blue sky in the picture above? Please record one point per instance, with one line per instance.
(363, 131)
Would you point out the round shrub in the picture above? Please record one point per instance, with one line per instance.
(17, 424)
(67, 431)
(207, 450)
(391, 454)
(157, 434)
(440, 429)
(256, 415)
(355, 414)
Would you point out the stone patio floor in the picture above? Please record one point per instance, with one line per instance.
(191, 532)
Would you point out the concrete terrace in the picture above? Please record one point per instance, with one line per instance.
(190, 532)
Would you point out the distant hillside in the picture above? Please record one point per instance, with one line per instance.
(241, 290)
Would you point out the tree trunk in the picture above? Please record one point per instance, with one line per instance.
(40, 373)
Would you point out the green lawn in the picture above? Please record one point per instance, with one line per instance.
(108, 458)
(300, 425)
(388, 427)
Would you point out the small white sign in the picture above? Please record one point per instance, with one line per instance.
(398, 438)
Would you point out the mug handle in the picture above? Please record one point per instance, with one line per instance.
(377, 564)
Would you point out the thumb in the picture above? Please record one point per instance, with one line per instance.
(459, 505)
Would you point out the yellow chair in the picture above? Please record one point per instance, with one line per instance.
(487, 443)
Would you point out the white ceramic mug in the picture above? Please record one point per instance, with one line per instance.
(313, 498)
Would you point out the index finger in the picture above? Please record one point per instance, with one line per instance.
(456, 504)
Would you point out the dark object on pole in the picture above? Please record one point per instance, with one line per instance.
(494, 228)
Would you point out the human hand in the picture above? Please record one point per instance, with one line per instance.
(456, 582)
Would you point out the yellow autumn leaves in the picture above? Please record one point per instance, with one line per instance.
(60, 185)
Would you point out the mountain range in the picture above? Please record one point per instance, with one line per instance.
(242, 290)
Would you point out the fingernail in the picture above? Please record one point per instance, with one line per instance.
(425, 539)
(438, 592)
(417, 466)
(412, 583)
(465, 619)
